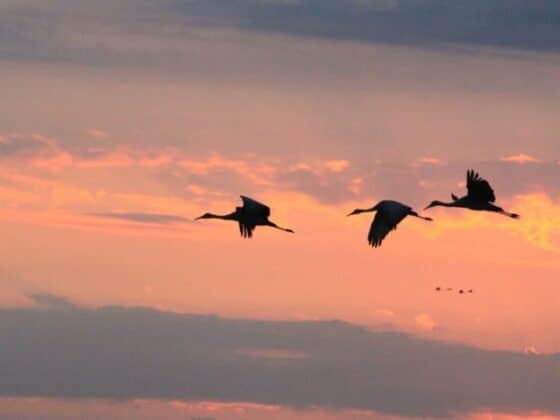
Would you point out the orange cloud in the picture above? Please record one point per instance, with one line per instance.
(337, 165)
(530, 350)
(304, 167)
(258, 172)
(113, 159)
(355, 186)
(539, 223)
(425, 321)
(504, 416)
(520, 158)
(272, 354)
(97, 134)
(429, 161)
(56, 162)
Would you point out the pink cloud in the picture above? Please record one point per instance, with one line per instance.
(520, 158)
(337, 165)
(97, 134)
(272, 354)
(258, 172)
(530, 350)
(429, 161)
(113, 159)
(355, 186)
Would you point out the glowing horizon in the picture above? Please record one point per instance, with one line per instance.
(121, 124)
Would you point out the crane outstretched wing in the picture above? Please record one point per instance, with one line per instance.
(380, 227)
(254, 208)
(246, 230)
(478, 188)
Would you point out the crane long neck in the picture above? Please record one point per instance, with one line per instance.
(229, 216)
(368, 210)
(448, 204)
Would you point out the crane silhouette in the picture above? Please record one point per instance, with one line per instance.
(480, 196)
(389, 215)
(440, 289)
(250, 215)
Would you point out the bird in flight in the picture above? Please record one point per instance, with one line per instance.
(439, 289)
(250, 215)
(461, 291)
(389, 215)
(480, 196)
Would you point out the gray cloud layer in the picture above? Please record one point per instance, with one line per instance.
(523, 24)
(155, 218)
(122, 353)
(31, 30)
(50, 301)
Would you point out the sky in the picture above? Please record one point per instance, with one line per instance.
(122, 121)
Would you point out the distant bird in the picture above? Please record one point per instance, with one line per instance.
(480, 196)
(439, 289)
(249, 216)
(470, 290)
(389, 215)
(461, 291)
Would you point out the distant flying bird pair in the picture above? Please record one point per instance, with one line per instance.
(480, 196)
(449, 289)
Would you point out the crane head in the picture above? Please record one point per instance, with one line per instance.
(433, 204)
(204, 216)
(357, 211)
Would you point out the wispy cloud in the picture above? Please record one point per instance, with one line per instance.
(273, 354)
(138, 217)
(337, 165)
(50, 301)
(520, 158)
(97, 133)
(429, 161)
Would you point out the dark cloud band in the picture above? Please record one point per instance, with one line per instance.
(127, 353)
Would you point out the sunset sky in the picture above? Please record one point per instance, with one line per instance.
(122, 121)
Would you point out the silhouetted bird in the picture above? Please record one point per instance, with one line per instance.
(389, 215)
(480, 196)
(249, 216)
(461, 291)
(470, 290)
(438, 288)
